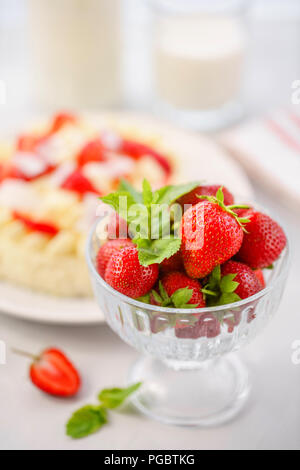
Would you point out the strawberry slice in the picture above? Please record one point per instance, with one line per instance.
(43, 227)
(53, 373)
(60, 120)
(78, 183)
(91, 152)
(28, 142)
(137, 150)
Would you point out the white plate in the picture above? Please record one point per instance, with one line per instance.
(200, 159)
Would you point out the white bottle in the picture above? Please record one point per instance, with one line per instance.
(75, 50)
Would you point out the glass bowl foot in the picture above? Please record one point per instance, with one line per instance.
(205, 394)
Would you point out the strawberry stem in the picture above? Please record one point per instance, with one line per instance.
(19, 352)
(209, 292)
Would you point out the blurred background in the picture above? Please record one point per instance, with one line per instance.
(105, 53)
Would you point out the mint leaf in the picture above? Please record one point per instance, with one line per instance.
(85, 421)
(127, 187)
(182, 296)
(147, 193)
(152, 252)
(169, 194)
(115, 397)
(227, 284)
(120, 201)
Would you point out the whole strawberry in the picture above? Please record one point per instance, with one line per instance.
(211, 190)
(125, 273)
(174, 263)
(248, 284)
(211, 234)
(263, 242)
(107, 250)
(260, 276)
(175, 280)
(53, 373)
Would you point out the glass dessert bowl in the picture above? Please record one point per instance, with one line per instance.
(188, 375)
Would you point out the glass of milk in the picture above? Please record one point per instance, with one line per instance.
(198, 60)
(75, 50)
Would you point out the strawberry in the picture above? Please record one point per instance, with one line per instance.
(137, 150)
(91, 152)
(106, 251)
(263, 242)
(28, 143)
(260, 276)
(36, 226)
(207, 326)
(60, 120)
(211, 234)
(78, 183)
(125, 273)
(248, 283)
(53, 373)
(175, 280)
(174, 263)
(192, 197)
(117, 227)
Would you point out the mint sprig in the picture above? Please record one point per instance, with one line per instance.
(90, 418)
(114, 397)
(220, 290)
(86, 421)
(155, 237)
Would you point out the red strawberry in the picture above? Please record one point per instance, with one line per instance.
(137, 150)
(206, 326)
(263, 242)
(176, 280)
(125, 273)
(60, 120)
(53, 373)
(78, 183)
(117, 227)
(210, 236)
(28, 143)
(192, 199)
(91, 152)
(106, 251)
(248, 282)
(174, 263)
(35, 226)
(260, 276)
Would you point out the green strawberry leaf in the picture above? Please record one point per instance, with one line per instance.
(86, 421)
(147, 193)
(181, 297)
(271, 266)
(220, 195)
(169, 194)
(127, 187)
(163, 292)
(152, 252)
(227, 284)
(115, 397)
(145, 299)
(157, 297)
(228, 298)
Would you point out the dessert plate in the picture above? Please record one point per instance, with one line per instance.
(197, 157)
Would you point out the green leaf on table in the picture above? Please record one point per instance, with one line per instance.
(155, 251)
(86, 421)
(115, 397)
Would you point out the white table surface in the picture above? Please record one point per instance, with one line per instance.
(31, 420)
